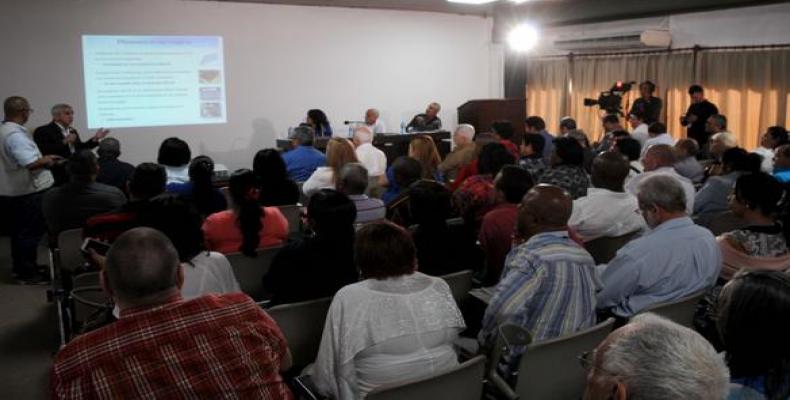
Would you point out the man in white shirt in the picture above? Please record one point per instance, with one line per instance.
(658, 135)
(373, 159)
(607, 210)
(660, 160)
(373, 122)
(769, 141)
(24, 176)
(638, 129)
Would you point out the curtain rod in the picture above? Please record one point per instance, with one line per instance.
(668, 51)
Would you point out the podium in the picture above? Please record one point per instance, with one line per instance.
(481, 113)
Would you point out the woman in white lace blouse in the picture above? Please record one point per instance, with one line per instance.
(395, 325)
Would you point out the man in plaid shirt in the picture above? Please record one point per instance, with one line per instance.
(162, 347)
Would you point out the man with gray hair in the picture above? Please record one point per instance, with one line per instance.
(113, 171)
(660, 160)
(673, 260)
(463, 151)
(60, 138)
(303, 159)
(374, 160)
(163, 346)
(653, 358)
(353, 181)
(373, 122)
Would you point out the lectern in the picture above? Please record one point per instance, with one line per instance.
(481, 113)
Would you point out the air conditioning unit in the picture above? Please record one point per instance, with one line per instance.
(646, 39)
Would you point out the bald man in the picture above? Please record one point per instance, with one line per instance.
(427, 122)
(373, 122)
(548, 285)
(660, 160)
(607, 210)
(164, 347)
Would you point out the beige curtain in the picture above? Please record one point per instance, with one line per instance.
(750, 87)
(671, 72)
(547, 90)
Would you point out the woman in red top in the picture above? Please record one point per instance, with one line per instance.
(246, 226)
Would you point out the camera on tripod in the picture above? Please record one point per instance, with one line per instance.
(611, 100)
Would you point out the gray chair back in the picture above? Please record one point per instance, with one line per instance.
(69, 254)
(460, 284)
(88, 297)
(293, 214)
(551, 370)
(725, 222)
(604, 249)
(302, 325)
(250, 271)
(464, 382)
(680, 311)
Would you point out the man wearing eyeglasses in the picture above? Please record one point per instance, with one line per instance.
(24, 176)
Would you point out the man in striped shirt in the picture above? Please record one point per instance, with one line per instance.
(548, 285)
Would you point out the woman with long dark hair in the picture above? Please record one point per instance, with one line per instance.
(200, 189)
(246, 226)
(277, 189)
(319, 122)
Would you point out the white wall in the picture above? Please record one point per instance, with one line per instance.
(731, 27)
(280, 61)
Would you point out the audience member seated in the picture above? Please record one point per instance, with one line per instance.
(658, 135)
(654, 358)
(567, 169)
(477, 195)
(503, 132)
(673, 260)
(536, 125)
(320, 264)
(719, 143)
(499, 224)
(374, 160)
(639, 129)
(754, 327)
(589, 154)
(247, 226)
(147, 182)
(660, 160)
(166, 347)
(441, 249)
(406, 171)
(531, 151)
(763, 243)
(317, 120)
(567, 124)
(429, 121)
(353, 182)
(339, 152)
(611, 124)
(200, 190)
(423, 149)
(712, 198)
(174, 155)
(68, 206)
(303, 159)
(607, 210)
(395, 325)
(717, 123)
(632, 150)
(548, 285)
(773, 137)
(277, 189)
(687, 165)
(470, 169)
(462, 154)
(782, 164)
(113, 171)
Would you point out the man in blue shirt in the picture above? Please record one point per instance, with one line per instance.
(675, 259)
(303, 160)
(782, 163)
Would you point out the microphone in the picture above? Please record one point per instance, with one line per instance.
(353, 122)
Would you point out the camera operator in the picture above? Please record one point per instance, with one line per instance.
(647, 107)
(697, 115)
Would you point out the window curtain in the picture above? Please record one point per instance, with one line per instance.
(547, 90)
(750, 87)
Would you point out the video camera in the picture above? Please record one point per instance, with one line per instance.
(612, 99)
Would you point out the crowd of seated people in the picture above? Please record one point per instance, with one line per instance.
(523, 216)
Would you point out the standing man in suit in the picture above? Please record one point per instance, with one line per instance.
(61, 139)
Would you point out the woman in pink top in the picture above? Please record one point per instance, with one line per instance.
(246, 226)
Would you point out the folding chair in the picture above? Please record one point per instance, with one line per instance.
(302, 325)
(460, 284)
(604, 249)
(88, 297)
(680, 311)
(293, 214)
(250, 271)
(464, 382)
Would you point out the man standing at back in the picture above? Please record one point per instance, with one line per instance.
(24, 176)
(675, 259)
(303, 159)
(548, 285)
(164, 347)
(697, 116)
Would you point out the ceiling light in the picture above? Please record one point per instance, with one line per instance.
(523, 38)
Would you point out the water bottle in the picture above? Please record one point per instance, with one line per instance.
(402, 127)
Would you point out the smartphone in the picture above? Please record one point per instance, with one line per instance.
(101, 248)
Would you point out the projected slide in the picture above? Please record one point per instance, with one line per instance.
(133, 81)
